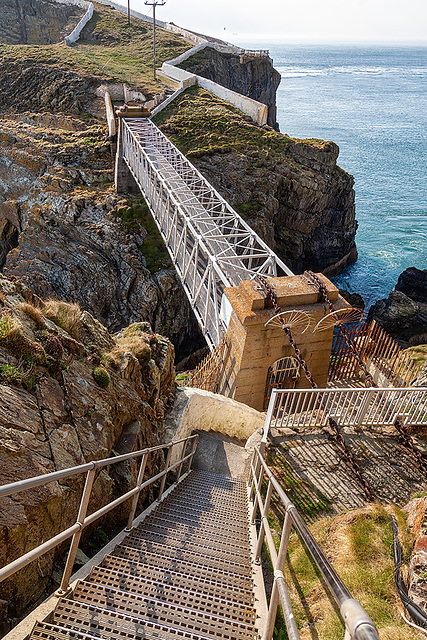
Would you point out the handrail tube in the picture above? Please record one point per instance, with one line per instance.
(22, 562)
(334, 582)
(358, 623)
(112, 505)
(36, 481)
(78, 527)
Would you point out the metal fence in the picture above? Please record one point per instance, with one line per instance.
(358, 624)
(378, 350)
(83, 520)
(357, 408)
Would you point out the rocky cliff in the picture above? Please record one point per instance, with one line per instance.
(251, 76)
(69, 392)
(290, 191)
(66, 233)
(404, 313)
(36, 21)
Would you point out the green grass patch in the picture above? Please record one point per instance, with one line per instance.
(138, 215)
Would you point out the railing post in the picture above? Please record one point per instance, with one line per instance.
(291, 626)
(196, 440)
(136, 496)
(363, 409)
(258, 482)
(267, 422)
(184, 449)
(162, 486)
(87, 490)
(262, 527)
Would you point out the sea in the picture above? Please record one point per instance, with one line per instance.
(371, 101)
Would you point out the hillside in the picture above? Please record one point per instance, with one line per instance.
(290, 191)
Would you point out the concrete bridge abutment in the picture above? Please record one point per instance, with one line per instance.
(252, 347)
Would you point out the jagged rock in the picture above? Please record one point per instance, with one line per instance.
(417, 520)
(37, 21)
(53, 415)
(402, 315)
(254, 77)
(355, 299)
(413, 282)
(72, 245)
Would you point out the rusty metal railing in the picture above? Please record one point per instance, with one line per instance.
(83, 520)
(358, 624)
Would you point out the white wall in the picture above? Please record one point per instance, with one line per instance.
(75, 34)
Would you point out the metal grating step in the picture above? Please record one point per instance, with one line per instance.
(110, 624)
(198, 605)
(205, 554)
(124, 557)
(166, 584)
(175, 515)
(201, 532)
(207, 515)
(193, 542)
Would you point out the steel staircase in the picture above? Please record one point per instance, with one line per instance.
(183, 572)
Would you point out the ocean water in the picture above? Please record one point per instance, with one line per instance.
(371, 101)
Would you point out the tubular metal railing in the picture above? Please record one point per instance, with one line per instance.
(369, 407)
(82, 520)
(358, 624)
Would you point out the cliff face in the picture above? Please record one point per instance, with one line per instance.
(291, 192)
(254, 77)
(36, 21)
(69, 393)
(66, 233)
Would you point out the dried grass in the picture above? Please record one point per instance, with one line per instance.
(64, 314)
(34, 313)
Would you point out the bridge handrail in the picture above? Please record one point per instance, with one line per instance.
(350, 407)
(83, 520)
(357, 622)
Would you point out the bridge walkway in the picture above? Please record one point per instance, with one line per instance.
(183, 572)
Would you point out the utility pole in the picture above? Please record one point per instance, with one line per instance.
(154, 4)
(129, 12)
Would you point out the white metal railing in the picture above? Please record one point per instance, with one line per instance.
(209, 243)
(358, 624)
(83, 520)
(371, 407)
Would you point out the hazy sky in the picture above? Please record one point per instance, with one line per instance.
(299, 20)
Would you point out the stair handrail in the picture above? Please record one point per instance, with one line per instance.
(82, 520)
(358, 624)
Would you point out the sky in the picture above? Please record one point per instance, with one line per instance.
(403, 21)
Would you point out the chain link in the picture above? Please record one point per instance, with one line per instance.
(313, 279)
(349, 458)
(270, 295)
(408, 442)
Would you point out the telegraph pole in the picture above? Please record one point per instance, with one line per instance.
(154, 4)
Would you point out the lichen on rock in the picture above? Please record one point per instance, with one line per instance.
(65, 417)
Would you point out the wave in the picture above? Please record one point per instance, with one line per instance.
(300, 72)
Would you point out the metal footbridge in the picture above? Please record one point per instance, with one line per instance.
(187, 567)
(210, 245)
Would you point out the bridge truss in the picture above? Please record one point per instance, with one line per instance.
(209, 243)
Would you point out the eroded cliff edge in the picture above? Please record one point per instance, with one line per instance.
(292, 192)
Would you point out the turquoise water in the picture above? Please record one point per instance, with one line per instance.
(371, 101)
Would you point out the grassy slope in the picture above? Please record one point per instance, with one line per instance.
(109, 48)
(199, 123)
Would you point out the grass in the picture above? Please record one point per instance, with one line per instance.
(200, 124)
(108, 48)
(65, 315)
(359, 544)
(153, 248)
(133, 340)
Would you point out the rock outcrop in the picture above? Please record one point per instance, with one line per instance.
(291, 192)
(69, 393)
(64, 234)
(404, 313)
(37, 21)
(252, 76)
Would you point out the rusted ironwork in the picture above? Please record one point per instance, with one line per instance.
(409, 443)
(349, 458)
(270, 295)
(314, 280)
